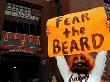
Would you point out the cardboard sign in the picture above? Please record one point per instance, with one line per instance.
(84, 31)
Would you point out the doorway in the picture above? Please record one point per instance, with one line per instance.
(19, 67)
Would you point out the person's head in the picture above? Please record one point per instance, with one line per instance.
(80, 63)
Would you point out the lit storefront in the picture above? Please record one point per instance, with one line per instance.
(21, 42)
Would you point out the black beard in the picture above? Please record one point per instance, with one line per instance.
(83, 68)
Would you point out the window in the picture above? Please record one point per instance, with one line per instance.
(26, 28)
(6, 25)
(9, 5)
(32, 29)
(21, 12)
(38, 30)
(13, 26)
(107, 7)
(20, 27)
(13, 9)
(23, 28)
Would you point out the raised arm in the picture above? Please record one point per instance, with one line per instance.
(97, 71)
(63, 67)
(62, 64)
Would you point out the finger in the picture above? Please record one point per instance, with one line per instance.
(108, 24)
(47, 32)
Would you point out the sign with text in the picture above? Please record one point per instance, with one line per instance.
(17, 42)
(84, 31)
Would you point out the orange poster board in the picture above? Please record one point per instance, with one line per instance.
(84, 31)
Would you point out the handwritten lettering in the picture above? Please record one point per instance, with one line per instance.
(84, 45)
(67, 21)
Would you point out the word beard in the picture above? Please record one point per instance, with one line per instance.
(81, 68)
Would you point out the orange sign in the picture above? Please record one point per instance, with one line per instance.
(84, 31)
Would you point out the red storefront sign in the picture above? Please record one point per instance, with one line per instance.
(20, 42)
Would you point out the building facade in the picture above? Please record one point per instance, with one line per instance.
(23, 40)
(23, 45)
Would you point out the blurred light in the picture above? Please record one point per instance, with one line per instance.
(14, 67)
(48, 0)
